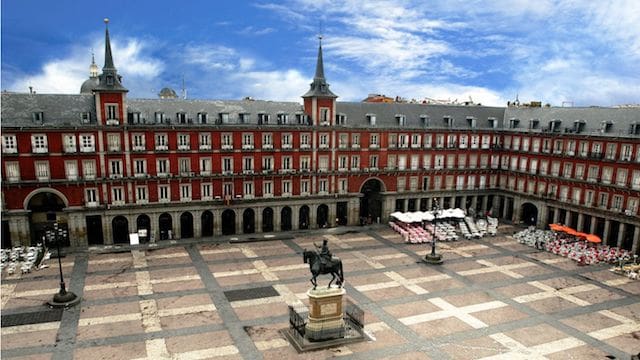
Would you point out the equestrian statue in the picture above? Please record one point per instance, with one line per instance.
(322, 261)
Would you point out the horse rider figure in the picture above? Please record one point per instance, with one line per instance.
(324, 253)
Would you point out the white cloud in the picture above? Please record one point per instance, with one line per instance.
(66, 75)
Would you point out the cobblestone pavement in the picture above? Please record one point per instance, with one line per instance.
(491, 299)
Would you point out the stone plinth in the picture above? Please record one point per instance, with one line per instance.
(325, 314)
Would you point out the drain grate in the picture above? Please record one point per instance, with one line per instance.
(32, 317)
(250, 294)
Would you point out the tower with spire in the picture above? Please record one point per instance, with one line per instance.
(319, 101)
(109, 92)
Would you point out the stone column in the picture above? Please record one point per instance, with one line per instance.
(277, 218)
(313, 218)
(605, 234)
(620, 239)
(238, 225)
(332, 215)
(580, 226)
(485, 199)
(474, 202)
(258, 219)
(594, 223)
(543, 216)
(197, 224)
(636, 240)
(176, 230)
(567, 218)
(295, 217)
(106, 227)
(556, 215)
(217, 222)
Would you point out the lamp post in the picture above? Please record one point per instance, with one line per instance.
(63, 298)
(433, 258)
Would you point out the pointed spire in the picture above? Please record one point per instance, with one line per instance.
(93, 68)
(108, 58)
(319, 86)
(319, 63)
(109, 79)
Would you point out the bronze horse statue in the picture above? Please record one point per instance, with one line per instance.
(319, 266)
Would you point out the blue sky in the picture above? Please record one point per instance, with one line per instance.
(570, 51)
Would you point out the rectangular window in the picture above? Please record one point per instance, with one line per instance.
(141, 195)
(227, 141)
(117, 196)
(185, 192)
(343, 186)
(12, 170)
(267, 164)
(111, 112)
(286, 188)
(69, 143)
(183, 142)
(140, 168)
(373, 162)
(205, 192)
(373, 141)
(89, 169)
(323, 163)
(184, 166)
(164, 193)
(205, 141)
(323, 187)
(9, 144)
(162, 167)
(247, 141)
(343, 141)
(267, 141)
(161, 142)
(355, 163)
(139, 142)
(71, 169)
(42, 170)
(248, 189)
(247, 165)
(286, 141)
(305, 162)
(91, 197)
(267, 188)
(39, 144)
(304, 187)
(205, 166)
(113, 142)
(116, 168)
(305, 142)
(227, 166)
(202, 118)
(324, 141)
(87, 143)
(355, 141)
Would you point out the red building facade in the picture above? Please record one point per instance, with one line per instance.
(106, 166)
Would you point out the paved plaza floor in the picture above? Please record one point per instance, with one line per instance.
(491, 299)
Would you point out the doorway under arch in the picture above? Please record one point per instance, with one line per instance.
(529, 214)
(248, 221)
(228, 222)
(371, 200)
(285, 219)
(143, 222)
(186, 225)
(303, 222)
(165, 225)
(206, 223)
(120, 229)
(267, 220)
(45, 208)
(322, 216)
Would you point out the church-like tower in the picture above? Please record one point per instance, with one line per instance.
(319, 101)
(110, 94)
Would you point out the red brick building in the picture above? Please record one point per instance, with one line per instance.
(105, 165)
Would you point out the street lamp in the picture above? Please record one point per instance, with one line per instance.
(63, 298)
(433, 258)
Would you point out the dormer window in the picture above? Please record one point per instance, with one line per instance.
(223, 118)
(283, 119)
(424, 120)
(554, 125)
(371, 119)
(513, 123)
(202, 118)
(472, 121)
(534, 123)
(635, 128)
(400, 119)
(493, 122)
(302, 119)
(606, 126)
(243, 118)
(181, 118)
(448, 121)
(341, 119)
(134, 118)
(263, 119)
(109, 80)
(85, 117)
(578, 126)
(159, 117)
(324, 116)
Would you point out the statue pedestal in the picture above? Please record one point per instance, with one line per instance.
(325, 314)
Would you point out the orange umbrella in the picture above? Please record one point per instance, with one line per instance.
(582, 235)
(570, 231)
(593, 238)
(556, 227)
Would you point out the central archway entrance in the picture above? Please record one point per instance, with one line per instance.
(371, 200)
(144, 223)
(165, 226)
(248, 221)
(186, 225)
(303, 222)
(206, 223)
(322, 216)
(529, 214)
(120, 228)
(285, 219)
(267, 220)
(45, 208)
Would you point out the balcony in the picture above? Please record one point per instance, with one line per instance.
(204, 147)
(205, 173)
(247, 172)
(227, 172)
(267, 146)
(162, 147)
(305, 146)
(227, 147)
(374, 146)
(355, 146)
(267, 171)
(184, 147)
(286, 147)
(247, 147)
(91, 204)
(137, 148)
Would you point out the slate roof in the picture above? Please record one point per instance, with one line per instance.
(65, 110)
